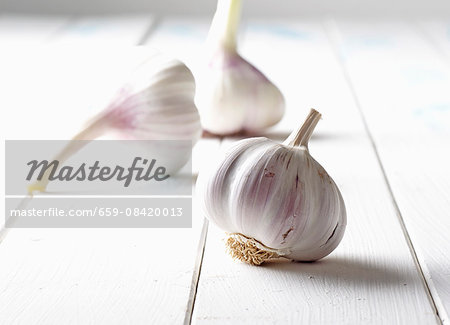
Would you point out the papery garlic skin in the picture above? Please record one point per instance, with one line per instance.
(232, 95)
(155, 103)
(277, 197)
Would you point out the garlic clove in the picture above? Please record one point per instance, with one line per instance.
(233, 95)
(274, 199)
(156, 103)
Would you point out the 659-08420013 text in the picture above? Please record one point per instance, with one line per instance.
(98, 211)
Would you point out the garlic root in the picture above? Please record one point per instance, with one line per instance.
(249, 250)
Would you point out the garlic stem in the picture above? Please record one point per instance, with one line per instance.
(300, 138)
(95, 128)
(224, 27)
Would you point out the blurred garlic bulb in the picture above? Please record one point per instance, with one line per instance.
(156, 103)
(274, 200)
(232, 95)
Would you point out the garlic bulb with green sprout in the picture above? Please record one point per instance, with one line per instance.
(274, 200)
(156, 103)
(232, 95)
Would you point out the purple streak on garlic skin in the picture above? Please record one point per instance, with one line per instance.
(268, 201)
(232, 60)
(119, 114)
(157, 108)
(232, 95)
(156, 103)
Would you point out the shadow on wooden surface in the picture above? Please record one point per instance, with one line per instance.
(346, 270)
(318, 136)
(277, 135)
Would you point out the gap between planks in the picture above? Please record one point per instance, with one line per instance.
(196, 273)
(199, 259)
(434, 44)
(332, 32)
(59, 31)
(149, 31)
(425, 35)
(143, 40)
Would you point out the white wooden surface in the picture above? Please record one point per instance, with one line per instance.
(371, 278)
(410, 124)
(105, 31)
(382, 84)
(79, 276)
(438, 33)
(29, 30)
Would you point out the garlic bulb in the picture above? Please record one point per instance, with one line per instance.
(274, 200)
(156, 103)
(232, 95)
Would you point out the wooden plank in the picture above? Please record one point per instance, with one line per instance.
(371, 278)
(95, 74)
(61, 87)
(109, 276)
(101, 276)
(299, 64)
(105, 30)
(202, 154)
(28, 29)
(408, 116)
(181, 38)
(17, 34)
(438, 33)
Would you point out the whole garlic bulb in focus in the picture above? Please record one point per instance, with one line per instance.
(232, 95)
(274, 200)
(155, 103)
